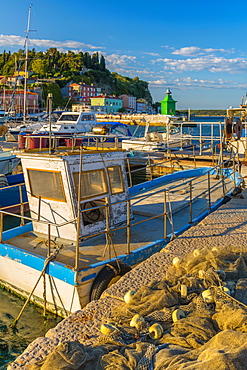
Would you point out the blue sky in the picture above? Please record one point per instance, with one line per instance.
(197, 49)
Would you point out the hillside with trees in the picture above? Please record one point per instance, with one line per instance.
(204, 112)
(72, 67)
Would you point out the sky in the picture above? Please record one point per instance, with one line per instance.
(196, 49)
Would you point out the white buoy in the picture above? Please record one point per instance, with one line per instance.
(107, 329)
(178, 315)
(176, 261)
(196, 253)
(208, 296)
(155, 331)
(137, 321)
(183, 290)
(128, 295)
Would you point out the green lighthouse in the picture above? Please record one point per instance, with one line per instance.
(168, 105)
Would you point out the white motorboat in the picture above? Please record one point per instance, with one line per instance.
(158, 138)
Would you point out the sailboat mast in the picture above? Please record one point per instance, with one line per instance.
(26, 60)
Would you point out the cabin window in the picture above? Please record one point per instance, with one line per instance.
(87, 117)
(68, 117)
(116, 179)
(46, 184)
(93, 183)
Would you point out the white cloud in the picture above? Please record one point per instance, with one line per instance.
(153, 54)
(119, 60)
(194, 50)
(214, 64)
(12, 40)
(188, 83)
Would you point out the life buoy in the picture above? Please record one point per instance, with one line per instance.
(238, 128)
(228, 128)
(105, 277)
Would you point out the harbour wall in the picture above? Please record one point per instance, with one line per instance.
(223, 227)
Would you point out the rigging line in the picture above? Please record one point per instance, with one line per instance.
(19, 68)
(170, 218)
(43, 271)
(72, 299)
(52, 294)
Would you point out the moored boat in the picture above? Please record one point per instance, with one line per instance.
(88, 227)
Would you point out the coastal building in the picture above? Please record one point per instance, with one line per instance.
(129, 102)
(3, 80)
(78, 92)
(141, 106)
(168, 104)
(14, 101)
(23, 73)
(110, 103)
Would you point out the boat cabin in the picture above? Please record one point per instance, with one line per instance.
(53, 184)
(72, 122)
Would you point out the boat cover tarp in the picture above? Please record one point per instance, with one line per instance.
(209, 335)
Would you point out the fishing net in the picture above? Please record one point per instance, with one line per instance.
(196, 318)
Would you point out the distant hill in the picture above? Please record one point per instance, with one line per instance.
(72, 67)
(205, 112)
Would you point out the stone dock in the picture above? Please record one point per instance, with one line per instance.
(225, 227)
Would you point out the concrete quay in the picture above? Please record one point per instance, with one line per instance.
(224, 227)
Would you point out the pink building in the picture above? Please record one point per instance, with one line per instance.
(129, 102)
(15, 101)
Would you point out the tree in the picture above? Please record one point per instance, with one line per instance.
(56, 93)
(102, 63)
(39, 67)
(87, 60)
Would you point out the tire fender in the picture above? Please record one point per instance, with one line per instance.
(104, 277)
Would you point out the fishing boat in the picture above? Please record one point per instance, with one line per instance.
(88, 227)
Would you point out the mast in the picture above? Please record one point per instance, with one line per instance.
(26, 60)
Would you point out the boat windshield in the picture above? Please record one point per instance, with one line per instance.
(88, 117)
(172, 129)
(68, 117)
(120, 130)
(138, 131)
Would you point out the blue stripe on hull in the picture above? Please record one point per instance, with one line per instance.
(55, 269)
(186, 174)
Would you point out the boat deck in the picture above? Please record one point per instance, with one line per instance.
(94, 249)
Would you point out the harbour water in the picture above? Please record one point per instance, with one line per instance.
(32, 323)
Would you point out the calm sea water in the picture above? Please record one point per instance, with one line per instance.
(210, 125)
(32, 324)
